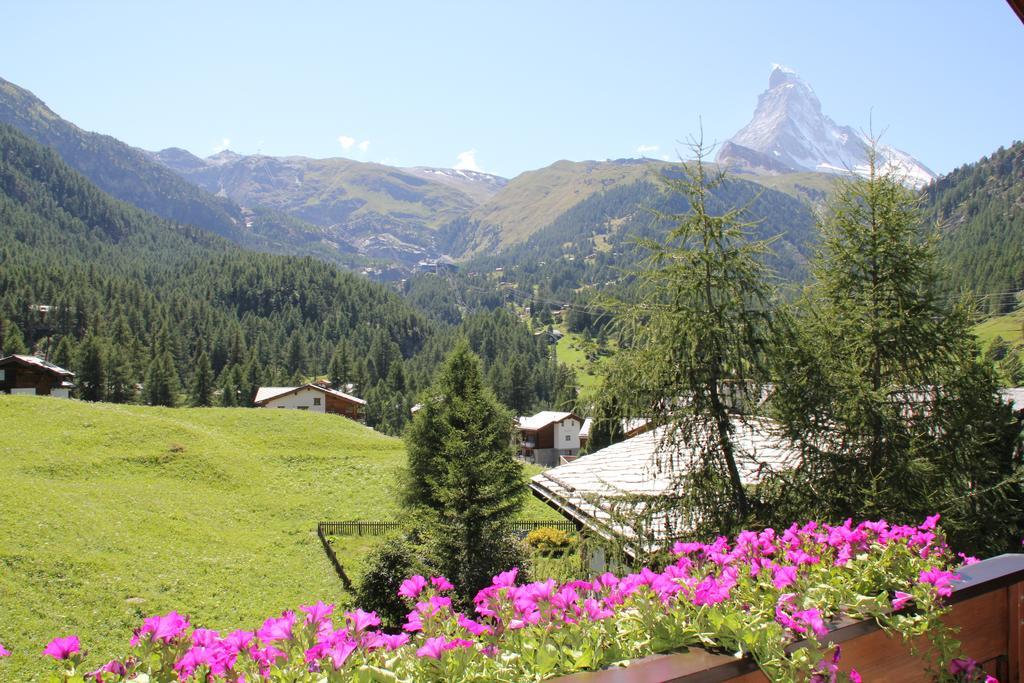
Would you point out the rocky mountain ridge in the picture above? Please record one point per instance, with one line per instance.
(789, 133)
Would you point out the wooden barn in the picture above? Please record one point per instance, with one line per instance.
(34, 376)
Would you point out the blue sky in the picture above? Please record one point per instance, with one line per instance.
(513, 86)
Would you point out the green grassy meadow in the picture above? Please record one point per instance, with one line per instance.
(110, 513)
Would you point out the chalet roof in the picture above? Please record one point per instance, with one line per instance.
(267, 393)
(36, 362)
(585, 489)
(1014, 396)
(543, 419)
(585, 429)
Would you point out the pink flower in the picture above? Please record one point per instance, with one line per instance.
(433, 648)
(318, 612)
(161, 628)
(239, 640)
(901, 600)
(855, 676)
(941, 579)
(441, 583)
(412, 587)
(112, 667)
(930, 522)
(474, 627)
(783, 576)
(4, 652)
(388, 642)
(505, 579)
(962, 666)
(62, 648)
(277, 629)
(968, 560)
(360, 620)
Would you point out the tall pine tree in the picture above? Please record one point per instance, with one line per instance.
(462, 476)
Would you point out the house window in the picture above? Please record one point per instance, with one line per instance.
(3, 374)
(303, 407)
(316, 401)
(568, 437)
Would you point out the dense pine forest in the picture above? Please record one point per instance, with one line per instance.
(979, 209)
(139, 306)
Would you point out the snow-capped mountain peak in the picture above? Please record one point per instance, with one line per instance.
(790, 133)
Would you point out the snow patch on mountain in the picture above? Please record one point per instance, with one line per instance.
(790, 133)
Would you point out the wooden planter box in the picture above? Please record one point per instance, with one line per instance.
(987, 608)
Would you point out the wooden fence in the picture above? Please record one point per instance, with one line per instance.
(379, 528)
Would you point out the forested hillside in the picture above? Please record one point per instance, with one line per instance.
(131, 175)
(594, 244)
(137, 300)
(980, 211)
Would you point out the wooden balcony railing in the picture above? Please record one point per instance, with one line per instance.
(987, 608)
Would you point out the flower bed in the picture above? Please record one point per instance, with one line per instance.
(752, 596)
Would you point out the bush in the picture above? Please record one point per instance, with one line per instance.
(548, 539)
(386, 567)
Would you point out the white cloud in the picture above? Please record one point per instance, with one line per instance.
(644, 150)
(364, 145)
(225, 143)
(466, 161)
(665, 157)
(346, 142)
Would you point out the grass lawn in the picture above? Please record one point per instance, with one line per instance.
(573, 350)
(1008, 326)
(110, 513)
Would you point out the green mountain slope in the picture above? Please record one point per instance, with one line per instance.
(979, 208)
(133, 176)
(385, 212)
(115, 512)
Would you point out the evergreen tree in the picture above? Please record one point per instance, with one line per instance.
(161, 388)
(120, 387)
(92, 370)
(462, 476)
(201, 391)
(13, 341)
(699, 325)
(64, 354)
(883, 388)
(340, 369)
(297, 360)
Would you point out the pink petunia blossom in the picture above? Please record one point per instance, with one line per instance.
(964, 667)
(412, 587)
(4, 652)
(855, 676)
(433, 648)
(386, 641)
(318, 612)
(783, 576)
(941, 579)
(441, 583)
(62, 648)
(277, 629)
(360, 620)
(112, 667)
(901, 600)
(161, 628)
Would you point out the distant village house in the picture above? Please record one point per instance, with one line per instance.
(312, 397)
(549, 437)
(33, 376)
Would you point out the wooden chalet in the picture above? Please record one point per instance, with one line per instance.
(313, 397)
(33, 376)
(550, 437)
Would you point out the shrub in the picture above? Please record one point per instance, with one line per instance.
(548, 539)
(387, 566)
